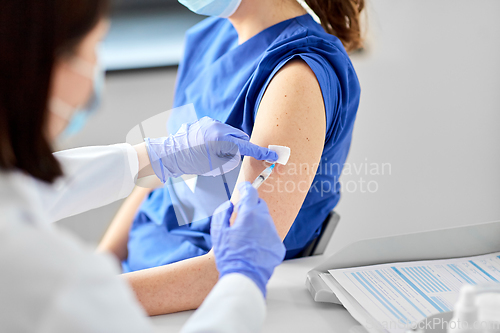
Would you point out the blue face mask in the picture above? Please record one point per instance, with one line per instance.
(221, 8)
(78, 117)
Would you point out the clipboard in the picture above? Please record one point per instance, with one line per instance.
(447, 243)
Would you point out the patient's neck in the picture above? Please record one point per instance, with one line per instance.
(253, 16)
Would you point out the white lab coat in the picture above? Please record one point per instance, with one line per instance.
(50, 282)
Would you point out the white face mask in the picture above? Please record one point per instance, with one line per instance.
(78, 117)
(221, 8)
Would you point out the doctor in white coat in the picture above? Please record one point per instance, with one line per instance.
(49, 281)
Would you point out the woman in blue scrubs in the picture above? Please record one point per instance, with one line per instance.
(274, 72)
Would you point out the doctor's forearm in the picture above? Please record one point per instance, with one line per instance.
(176, 287)
(145, 168)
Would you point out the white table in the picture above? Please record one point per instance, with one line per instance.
(290, 307)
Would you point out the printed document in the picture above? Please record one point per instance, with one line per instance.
(400, 294)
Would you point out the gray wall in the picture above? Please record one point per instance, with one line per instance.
(430, 109)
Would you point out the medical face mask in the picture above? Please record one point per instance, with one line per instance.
(221, 8)
(77, 118)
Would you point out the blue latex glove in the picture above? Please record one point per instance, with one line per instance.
(206, 147)
(252, 245)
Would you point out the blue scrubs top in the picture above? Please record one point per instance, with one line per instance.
(226, 81)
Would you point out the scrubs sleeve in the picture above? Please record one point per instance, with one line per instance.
(92, 177)
(330, 89)
(235, 304)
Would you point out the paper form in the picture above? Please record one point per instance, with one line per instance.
(355, 309)
(398, 295)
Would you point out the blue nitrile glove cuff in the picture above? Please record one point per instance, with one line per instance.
(161, 152)
(234, 263)
(260, 279)
(252, 245)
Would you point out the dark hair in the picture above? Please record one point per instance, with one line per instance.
(340, 18)
(33, 34)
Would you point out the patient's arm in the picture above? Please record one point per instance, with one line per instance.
(116, 237)
(292, 114)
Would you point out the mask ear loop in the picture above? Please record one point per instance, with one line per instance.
(61, 108)
(83, 67)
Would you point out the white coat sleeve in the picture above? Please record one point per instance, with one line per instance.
(235, 304)
(93, 177)
(51, 283)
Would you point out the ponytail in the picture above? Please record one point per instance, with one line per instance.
(340, 18)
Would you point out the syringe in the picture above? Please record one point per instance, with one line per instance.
(263, 176)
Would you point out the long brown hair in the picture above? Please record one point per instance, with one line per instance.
(340, 18)
(33, 35)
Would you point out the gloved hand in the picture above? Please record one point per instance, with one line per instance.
(206, 147)
(252, 245)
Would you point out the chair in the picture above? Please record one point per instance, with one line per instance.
(318, 245)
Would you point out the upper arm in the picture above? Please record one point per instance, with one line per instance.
(292, 114)
(115, 238)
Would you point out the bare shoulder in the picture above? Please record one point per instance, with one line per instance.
(292, 114)
(298, 72)
(297, 82)
(292, 111)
